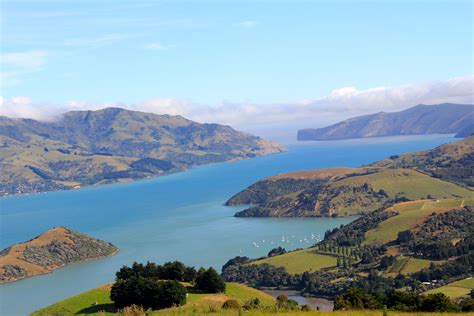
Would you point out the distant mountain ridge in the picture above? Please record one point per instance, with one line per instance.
(113, 144)
(444, 118)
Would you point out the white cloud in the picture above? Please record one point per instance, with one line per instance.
(34, 59)
(156, 46)
(248, 24)
(14, 65)
(99, 41)
(339, 104)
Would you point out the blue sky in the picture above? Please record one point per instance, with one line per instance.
(210, 51)
(227, 52)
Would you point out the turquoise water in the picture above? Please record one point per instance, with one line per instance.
(180, 216)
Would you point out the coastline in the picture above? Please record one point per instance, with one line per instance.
(125, 181)
(60, 267)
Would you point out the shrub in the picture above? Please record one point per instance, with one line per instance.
(133, 310)
(251, 304)
(282, 299)
(209, 281)
(306, 308)
(231, 304)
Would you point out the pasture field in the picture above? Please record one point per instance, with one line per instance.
(410, 215)
(410, 183)
(297, 262)
(456, 289)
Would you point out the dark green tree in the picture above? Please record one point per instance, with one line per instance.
(209, 281)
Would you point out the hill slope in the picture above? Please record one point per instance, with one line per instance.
(421, 119)
(197, 303)
(49, 251)
(453, 162)
(113, 144)
(345, 191)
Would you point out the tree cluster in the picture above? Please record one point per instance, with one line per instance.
(158, 286)
(357, 298)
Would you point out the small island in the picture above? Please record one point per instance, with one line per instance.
(49, 251)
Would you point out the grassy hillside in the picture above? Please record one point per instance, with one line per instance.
(113, 144)
(456, 289)
(453, 162)
(441, 173)
(406, 265)
(96, 300)
(297, 262)
(410, 214)
(340, 191)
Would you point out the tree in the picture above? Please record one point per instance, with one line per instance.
(404, 237)
(276, 251)
(209, 281)
(355, 298)
(147, 292)
(171, 293)
(437, 302)
(173, 271)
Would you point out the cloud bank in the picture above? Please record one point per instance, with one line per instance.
(286, 117)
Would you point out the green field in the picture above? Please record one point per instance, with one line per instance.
(456, 289)
(81, 304)
(410, 214)
(410, 183)
(301, 261)
(98, 300)
(407, 265)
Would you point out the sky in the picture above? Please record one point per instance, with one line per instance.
(255, 65)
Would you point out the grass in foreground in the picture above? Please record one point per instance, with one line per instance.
(456, 289)
(297, 262)
(98, 300)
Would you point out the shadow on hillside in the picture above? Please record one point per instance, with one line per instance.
(93, 309)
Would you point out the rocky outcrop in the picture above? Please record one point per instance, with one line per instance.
(49, 251)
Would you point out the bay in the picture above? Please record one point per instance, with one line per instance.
(176, 217)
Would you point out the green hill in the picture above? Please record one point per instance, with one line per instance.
(93, 147)
(452, 162)
(441, 173)
(98, 300)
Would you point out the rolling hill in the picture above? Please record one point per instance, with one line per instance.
(93, 147)
(346, 191)
(421, 119)
(452, 162)
(197, 303)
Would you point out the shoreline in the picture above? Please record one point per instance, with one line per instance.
(60, 267)
(125, 181)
